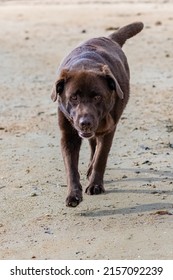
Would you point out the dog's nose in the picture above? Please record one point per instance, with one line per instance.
(85, 122)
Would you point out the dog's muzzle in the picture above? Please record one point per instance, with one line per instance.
(86, 127)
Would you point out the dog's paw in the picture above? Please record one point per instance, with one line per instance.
(94, 189)
(73, 200)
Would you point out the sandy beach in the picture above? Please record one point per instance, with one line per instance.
(134, 218)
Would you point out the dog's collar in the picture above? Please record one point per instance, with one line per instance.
(64, 111)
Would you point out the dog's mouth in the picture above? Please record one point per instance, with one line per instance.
(87, 135)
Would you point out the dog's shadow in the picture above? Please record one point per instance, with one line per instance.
(157, 176)
(130, 210)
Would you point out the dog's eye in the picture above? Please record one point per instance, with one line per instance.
(97, 98)
(74, 99)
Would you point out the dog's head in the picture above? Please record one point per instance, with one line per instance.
(86, 97)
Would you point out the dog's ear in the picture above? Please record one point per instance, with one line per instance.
(112, 81)
(58, 88)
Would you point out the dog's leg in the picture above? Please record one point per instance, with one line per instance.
(92, 143)
(98, 165)
(70, 146)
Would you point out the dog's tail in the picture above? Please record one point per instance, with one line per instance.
(126, 32)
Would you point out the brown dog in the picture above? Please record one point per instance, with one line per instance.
(92, 90)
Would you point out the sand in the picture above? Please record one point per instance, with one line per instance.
(134, 218)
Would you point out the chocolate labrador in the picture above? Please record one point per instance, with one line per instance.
(92, 90)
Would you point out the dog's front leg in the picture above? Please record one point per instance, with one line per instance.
(98, 165)
(70, 146)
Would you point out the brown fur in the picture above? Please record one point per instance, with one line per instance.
(92, 89)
